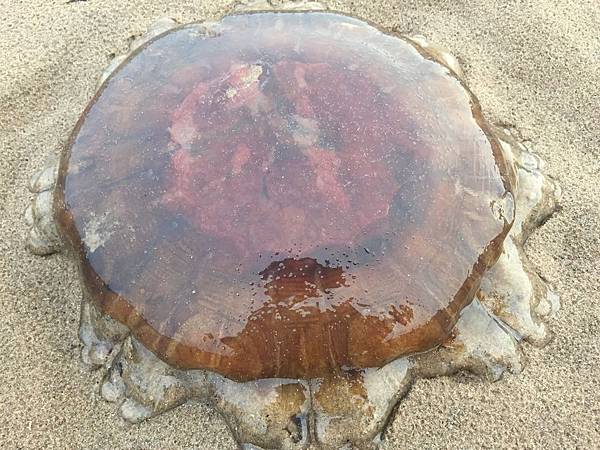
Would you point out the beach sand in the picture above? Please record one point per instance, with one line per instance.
(534, 65)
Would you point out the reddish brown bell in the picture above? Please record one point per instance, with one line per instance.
(294, 195)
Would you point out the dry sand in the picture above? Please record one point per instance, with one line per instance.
(533, 64)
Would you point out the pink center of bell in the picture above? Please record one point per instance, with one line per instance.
(268, 159)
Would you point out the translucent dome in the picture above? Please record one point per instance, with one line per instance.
(288, 196)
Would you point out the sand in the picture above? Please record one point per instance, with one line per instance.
(534, 65)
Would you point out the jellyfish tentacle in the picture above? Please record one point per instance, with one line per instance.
(144, 385)
(507, 291)
(538, 194)
(265, 413)
(479, 344)
(351, 409)
(100, 335)
(512, 290)
(43, 238)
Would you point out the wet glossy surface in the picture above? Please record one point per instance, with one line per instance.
(283, 195)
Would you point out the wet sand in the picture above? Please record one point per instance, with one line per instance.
(533, 65)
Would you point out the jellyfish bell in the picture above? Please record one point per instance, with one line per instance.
(293, 215)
